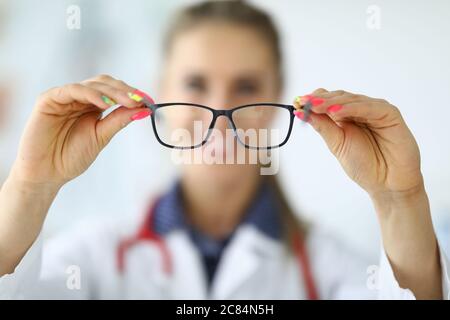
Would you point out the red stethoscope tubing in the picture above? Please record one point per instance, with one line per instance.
(147, 233)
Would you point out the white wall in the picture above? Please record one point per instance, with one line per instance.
(327, 44)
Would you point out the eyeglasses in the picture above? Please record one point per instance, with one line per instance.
(189, 126)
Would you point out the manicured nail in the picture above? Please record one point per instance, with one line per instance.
(301, 100)
(300, 115)
(316, 101)
(143, 95)
(108, 101)
(334, 108)
(141, 115)
(135, 97)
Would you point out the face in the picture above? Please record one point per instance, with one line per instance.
(222, 66)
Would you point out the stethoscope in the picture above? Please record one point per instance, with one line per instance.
(146, 232)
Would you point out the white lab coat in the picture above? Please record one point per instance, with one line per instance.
(253, 266)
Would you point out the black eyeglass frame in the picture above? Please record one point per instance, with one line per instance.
(216, 114)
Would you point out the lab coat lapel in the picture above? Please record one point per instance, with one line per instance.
(188, 280)
(147, 279)
(242, 259)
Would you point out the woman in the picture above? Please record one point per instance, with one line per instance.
(222, 231)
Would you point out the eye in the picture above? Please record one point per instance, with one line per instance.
(196, 84)
(247, 88)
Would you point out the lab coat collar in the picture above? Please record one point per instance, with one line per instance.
(262, 213)
(246, 255)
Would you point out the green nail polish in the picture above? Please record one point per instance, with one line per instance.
(108, 101)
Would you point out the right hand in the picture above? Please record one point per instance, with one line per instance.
(65, 132)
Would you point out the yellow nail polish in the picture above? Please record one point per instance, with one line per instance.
(135, 97)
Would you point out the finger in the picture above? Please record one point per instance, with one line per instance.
(374, 112)
(330, 131)
(324, 94)
(75, 93)
(318, 96)
(113, 82)
(326, 103)
(319, 91)
(113, 95)
(132, 93)
(117, 120)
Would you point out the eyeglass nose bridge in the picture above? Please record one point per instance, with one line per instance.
(227, 114)
(224, 113)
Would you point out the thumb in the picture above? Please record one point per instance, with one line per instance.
(330, 131)
(117, 120)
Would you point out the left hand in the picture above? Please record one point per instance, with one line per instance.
(369, 138)
(377, 150)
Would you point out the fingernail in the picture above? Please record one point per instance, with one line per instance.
(134, 97)
(316, 101)
(334, 108)
(300, 115)
(141, 115)
(108, 101)
(301, 100)
(143, 95)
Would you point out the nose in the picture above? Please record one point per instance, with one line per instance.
(222, 122)
(219, 101)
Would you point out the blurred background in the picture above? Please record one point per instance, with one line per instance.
(397, 50)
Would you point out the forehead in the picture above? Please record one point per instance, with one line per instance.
(222, 48)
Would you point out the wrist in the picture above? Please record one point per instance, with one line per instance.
(31, 188)
(404, 215)
(23, 207)
(403, 196)
(406, 205)
(398, 197)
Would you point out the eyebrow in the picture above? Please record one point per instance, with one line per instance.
(242, 74)
(251, 75)
(252, 78)
(245, 76)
